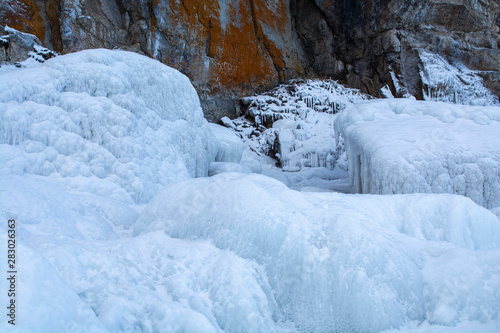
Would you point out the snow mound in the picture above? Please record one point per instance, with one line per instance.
(345, 263)
(405, 146)
(112, 123)
(47, 210)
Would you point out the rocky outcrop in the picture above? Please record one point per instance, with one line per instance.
(227, 48)
(16, 46)
(379, 41)
(231, 48)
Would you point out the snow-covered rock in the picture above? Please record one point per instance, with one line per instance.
(294, 122)
(456, 83)
(405, 146)
(345, 262)
(112, 123)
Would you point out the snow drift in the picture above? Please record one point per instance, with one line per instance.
(408, 146)
(110, 122)
(243, 253)
(345, 263)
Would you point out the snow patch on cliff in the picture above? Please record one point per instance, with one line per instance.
(452, 83)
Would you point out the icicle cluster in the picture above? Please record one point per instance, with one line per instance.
(296, 121)
(453, 83)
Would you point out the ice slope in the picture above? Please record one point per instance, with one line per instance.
(408, 146)
(112, 123)
(346, 263)
(234, 253)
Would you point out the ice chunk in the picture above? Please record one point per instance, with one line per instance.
(405, 146)
(112, 123)
(230, 146)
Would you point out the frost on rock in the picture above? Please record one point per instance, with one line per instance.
(453, 83)
(112, 123)
(345, 263)
(405, 146)
(20, 48)
(294, 122)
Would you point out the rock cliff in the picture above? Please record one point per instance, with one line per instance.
(231, 48)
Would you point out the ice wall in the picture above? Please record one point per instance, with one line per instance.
(113, 123)
(407, 146)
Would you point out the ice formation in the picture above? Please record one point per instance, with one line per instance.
(295, 122)
(230, 145)
(76, 275)
(453, 83)
(87, 138)
(407, 146)
(115, 122)
(345, 263)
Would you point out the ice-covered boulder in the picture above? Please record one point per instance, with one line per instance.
(112, 123)
(345, 263)
(408, 146)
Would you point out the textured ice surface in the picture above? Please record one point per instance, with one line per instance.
(294, 122)
(112, 123)
(76, 275)
(407, 146)
(44, 302)
(452, 83)
(235, 252)
(346, 263)
(230, 145)
(221, 167)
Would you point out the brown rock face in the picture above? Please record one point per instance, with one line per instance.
(227, 48)
(231, 48)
